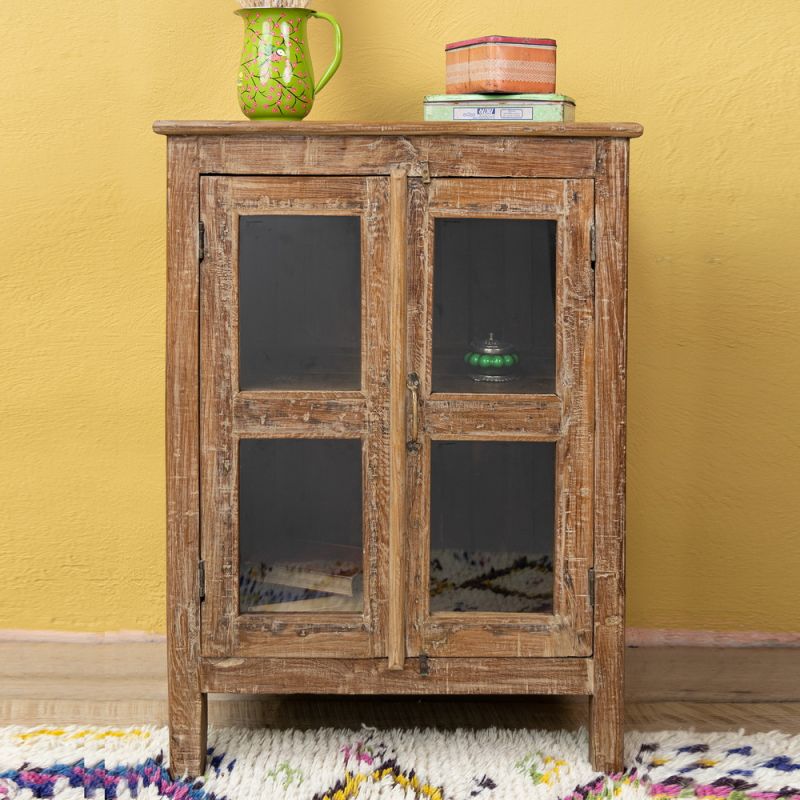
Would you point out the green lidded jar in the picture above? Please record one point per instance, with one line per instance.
(492, 360)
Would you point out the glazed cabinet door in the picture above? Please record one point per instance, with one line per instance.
(294, 426)
(501, 419)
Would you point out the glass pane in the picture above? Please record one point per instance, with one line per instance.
(299, 302)
(300, 525)
(492, 526)
(494, 306)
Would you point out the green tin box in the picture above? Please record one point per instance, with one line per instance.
(499, 108)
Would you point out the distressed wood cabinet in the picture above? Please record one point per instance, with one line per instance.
(396, 413)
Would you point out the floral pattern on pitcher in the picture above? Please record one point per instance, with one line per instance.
(276, 77)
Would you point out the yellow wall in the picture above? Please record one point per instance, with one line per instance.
(714, 506)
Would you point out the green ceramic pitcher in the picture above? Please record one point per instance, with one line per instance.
(276, 79)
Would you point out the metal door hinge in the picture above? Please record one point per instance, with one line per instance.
(201, 576)
(424, 668)
(591, 586)
(592, 245)
(201, 241)
(425, 172)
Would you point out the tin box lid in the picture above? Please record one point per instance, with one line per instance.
(491, 346)
(501, 40)
(497, 98)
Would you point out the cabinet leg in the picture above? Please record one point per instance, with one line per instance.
(607, 704)
(606, 732)
(188, 726)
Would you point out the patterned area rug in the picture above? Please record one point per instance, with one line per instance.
(368, 764)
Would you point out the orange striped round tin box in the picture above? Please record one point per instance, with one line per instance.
(501, 64)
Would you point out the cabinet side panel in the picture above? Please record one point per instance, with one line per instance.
(187, 705)
(607, 712)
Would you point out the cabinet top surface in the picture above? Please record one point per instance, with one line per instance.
(626, 130)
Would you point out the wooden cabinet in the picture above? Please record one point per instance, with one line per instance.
(396, 413)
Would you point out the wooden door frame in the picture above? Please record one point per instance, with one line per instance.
(566, 418)
(228, 415)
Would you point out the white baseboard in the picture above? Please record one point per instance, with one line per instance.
(668, 637)
(69, 637)
(634, 637)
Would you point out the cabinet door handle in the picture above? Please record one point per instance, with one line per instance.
(412, 383)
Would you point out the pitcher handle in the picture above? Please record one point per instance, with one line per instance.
(337, 59)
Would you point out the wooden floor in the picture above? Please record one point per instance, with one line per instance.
(709, 689)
